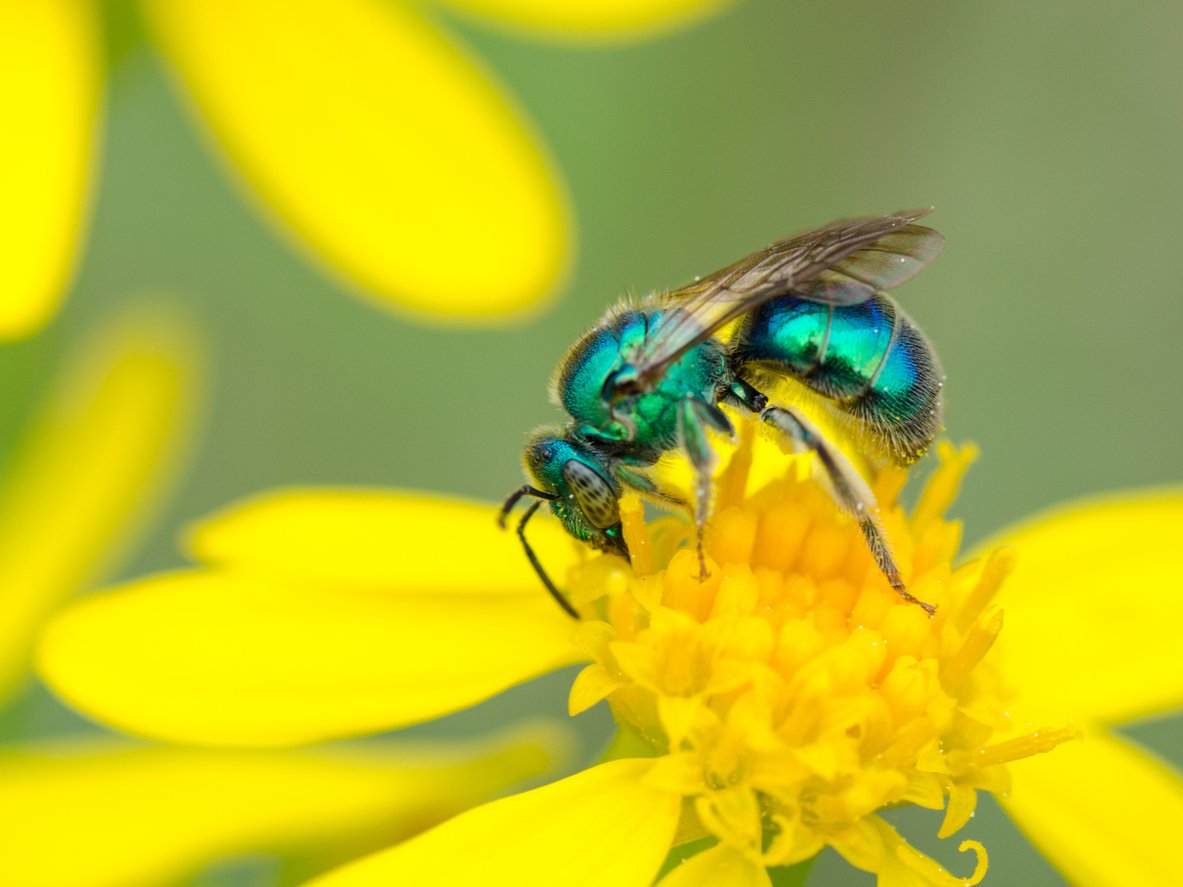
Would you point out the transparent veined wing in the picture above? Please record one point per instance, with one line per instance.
(843, 263)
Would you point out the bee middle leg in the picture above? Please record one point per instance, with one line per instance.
(848, 487)
(694, 418)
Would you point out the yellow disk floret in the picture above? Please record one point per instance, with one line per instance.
(792, 693)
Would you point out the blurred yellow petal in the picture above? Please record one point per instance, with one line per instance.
(107, 815)
(599, 827)
(224, 658)
(873, 845)
(384, 147)
(1095, 594)
(720, 866)
(594, 19)
(1105, 812)
(393, 541)
(50, 68)
(90, 472)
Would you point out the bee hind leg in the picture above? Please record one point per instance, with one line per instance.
(848, 488)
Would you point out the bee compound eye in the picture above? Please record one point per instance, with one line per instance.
(593, 494)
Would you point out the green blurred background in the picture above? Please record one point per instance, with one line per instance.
(1047, 135)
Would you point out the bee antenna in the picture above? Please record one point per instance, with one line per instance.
(551, 588)
(515, 497)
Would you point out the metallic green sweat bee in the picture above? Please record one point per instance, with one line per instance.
(648, 379)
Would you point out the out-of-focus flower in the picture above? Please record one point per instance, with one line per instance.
(773, 708)
(91, 470)
(373, 137)
(95, 811)
(105, 812)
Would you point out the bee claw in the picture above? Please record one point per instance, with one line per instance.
(930, 609)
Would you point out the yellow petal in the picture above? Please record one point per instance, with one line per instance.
(224, 658)
(602, 826)
(90, 471)
(387, 150)
(594, 19)
(1106, 813)
(1093, 607)
(380, 539)
(51, 68)
(719, 866)
(99, 814)
(875, 846)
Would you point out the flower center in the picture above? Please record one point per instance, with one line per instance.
(791, 693)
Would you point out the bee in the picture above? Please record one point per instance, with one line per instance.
(650, 378)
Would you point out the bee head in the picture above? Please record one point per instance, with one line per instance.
(545, 453)
(580, 475)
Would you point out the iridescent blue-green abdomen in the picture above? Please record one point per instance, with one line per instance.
(868, 359)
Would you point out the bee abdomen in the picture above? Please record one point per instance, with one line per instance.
(869, 360)
(902, 402)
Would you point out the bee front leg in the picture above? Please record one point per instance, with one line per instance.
(849, 490)
(642, 483)
(694, 417)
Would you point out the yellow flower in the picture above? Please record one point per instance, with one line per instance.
(90, 471)
(96, 811)
(772, 709)
(375, 140)
(103, 812)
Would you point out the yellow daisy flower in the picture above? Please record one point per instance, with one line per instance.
(96, 811)
(376, 141)
(769, 711)
(91, 470)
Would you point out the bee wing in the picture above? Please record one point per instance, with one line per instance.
(843, 263)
